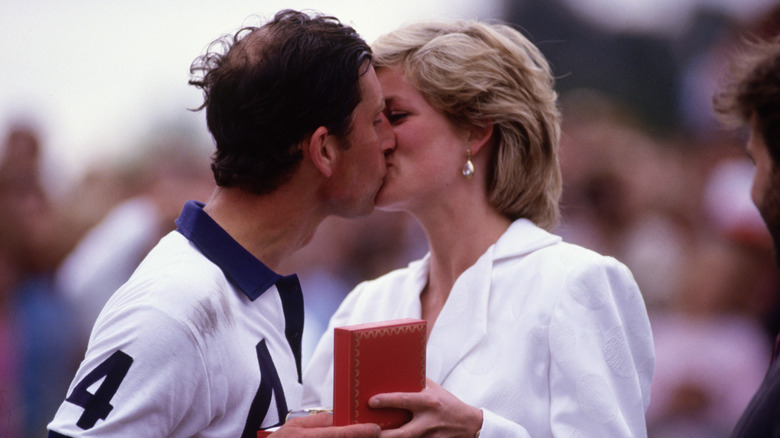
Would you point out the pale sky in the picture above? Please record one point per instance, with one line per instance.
(96, 74)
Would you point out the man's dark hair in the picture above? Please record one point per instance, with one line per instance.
(267, 88)
(754, 89)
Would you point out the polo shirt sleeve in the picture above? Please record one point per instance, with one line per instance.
(143, 375)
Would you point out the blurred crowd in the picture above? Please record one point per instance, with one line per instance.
(681, 218)
(61, 259)
(675, 209)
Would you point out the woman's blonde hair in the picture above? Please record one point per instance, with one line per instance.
(478, 73)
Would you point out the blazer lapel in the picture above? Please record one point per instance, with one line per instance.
(462, 323)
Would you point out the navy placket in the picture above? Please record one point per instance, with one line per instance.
(251, 276)
(292, 303)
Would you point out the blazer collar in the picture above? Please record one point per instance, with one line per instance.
(522, 237)
(463, 322)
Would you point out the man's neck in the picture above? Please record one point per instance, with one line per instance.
(271, 227)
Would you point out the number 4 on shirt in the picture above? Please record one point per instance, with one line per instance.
(97, 406)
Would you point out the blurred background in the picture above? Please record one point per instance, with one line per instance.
(98, 152)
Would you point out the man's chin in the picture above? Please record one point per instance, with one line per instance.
(385, 202)
(378, 198)
(382, 205)
(365, 208)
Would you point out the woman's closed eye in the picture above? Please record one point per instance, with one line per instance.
(396, 116)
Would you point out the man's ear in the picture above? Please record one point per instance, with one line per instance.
(321, 148)
(480, 136)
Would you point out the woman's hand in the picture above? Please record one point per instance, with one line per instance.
(435, 413)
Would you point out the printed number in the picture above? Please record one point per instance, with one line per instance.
(97, 406)
(269, 385)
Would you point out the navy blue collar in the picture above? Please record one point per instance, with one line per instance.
(242, 268)
(251, 276)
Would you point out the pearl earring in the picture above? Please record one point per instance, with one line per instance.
(468, 168)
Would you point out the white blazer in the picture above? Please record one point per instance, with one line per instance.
(547, 338)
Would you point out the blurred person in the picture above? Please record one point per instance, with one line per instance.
(168, 174)
(751, 97)
(730, 214)
(710, 357)
(205, 338)
(30, 222)
(626, 193)
(11, 411)
(39, 351)
(101, 187)
(527, 335)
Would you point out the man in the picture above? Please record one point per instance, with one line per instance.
(752, 98)
(204, 339)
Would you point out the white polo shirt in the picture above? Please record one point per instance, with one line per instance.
(193, 345)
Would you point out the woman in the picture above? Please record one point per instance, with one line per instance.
(528, 335)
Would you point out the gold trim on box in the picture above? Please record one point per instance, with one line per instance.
(376, 333)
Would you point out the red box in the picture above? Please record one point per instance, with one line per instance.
(375, 358)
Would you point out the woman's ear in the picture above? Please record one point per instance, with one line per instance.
(321, 150)
(479, 136)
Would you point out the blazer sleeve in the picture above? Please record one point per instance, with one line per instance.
(602, 356)
(496, 426)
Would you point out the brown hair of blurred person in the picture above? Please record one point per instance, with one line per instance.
(751, 97)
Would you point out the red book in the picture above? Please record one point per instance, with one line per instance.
(375, 358)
